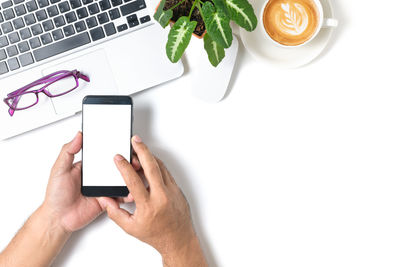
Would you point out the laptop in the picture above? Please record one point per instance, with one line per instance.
(116, 43)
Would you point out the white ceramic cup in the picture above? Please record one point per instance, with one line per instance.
(322, 23)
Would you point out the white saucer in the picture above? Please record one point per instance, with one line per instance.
(263, 49)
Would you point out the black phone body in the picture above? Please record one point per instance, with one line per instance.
(107, 131)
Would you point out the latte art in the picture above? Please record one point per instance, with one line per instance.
(295, 19)
(291, 22)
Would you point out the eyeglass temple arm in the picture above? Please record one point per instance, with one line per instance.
(82, 76)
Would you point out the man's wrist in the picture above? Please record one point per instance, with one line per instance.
(51, 222)
(188, 253)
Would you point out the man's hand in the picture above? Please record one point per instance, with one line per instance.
(63, 211)
(64, 201)
(162, 217)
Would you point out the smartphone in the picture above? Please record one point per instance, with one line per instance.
(107, 131)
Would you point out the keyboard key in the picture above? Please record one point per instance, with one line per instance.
(97, 33)
(122, 27)
(13, 63)
(18, 23)
(71, 17)
(132, 20)
(82, 13)
(31, 6)
(43, 3)
(145, 19)
(53, 11)
(26, 59)
(23, 47)
(41, 15)
(34, 42)
(9, 14)
(36, 29)
(75, 3)
(64, 7)
(25, 33)
(30, 19)
(61, 46)
(18, 1)
(104, 4)
(48, 25)
(57, 35)
(6, 4)
(3, 54)
(3, 68)
(80, 26)
(20, 10)
(85, 2)
(103, 18)
(46, 38)
(68, 30)
(59, 21)
(110, 29)
(12, 51)
(132, 7)
(54, 1)
(1, 17)
(114, 13)
(116, 2)
(7, 27)
(13, 37)
(3, 41)
(91, 22)
(93, 9)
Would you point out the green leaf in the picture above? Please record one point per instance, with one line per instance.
(163, 17)
(242, 13)
(220, 5)
(217, 25)
(215, 52)
(179, 38)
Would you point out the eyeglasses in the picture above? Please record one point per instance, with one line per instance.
(53, 85)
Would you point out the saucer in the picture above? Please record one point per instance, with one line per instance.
(286, 57)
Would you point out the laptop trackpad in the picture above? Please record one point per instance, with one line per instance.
(95, 65)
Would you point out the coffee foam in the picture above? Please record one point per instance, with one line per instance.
(291, 22)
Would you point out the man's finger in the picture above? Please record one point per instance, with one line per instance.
(128, 199)
(165, 174)
(118, 215)
(131, 178)
(135, 163)
(148, 162)
(68, 151)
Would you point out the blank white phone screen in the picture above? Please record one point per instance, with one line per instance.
(106, 132)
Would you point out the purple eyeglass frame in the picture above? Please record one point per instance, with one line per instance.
(47, 80)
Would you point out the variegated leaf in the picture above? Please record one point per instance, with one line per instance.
(163, 17)
(179, 38)
(242, 13)
(217, 25)
(214, 51)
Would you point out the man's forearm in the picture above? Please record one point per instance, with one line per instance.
(37, 242)
(189, 255)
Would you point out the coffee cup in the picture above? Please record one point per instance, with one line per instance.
(293, 23)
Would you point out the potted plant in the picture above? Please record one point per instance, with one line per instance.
(207, 19)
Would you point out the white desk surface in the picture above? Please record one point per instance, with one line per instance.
(293, 168)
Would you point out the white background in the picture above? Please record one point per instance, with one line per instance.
(107, 132)
(294, 168)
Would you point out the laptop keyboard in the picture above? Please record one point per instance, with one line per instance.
(35, 30)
